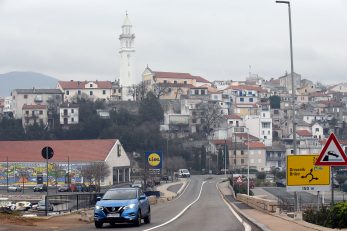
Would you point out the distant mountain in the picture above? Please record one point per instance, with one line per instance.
(24, 80)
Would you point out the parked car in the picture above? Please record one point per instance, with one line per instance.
(120, 205)
(23, 205)
(137, 183)
(63, 188)
(183, 173)
(91, 188)
(41, 206)
(40, 188)
(15, 188)
(81, 187)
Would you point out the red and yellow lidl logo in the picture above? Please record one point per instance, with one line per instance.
(154, 159)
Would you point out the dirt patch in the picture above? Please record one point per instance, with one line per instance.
(64, 222)
(15, 219)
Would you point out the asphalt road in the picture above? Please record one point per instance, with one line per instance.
(209, 212)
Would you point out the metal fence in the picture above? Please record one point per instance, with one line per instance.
(70, 202)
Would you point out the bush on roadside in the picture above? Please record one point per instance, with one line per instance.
(332, 217)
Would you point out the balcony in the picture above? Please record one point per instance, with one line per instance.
(64, 115)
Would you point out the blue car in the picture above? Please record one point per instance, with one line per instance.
(122, 205)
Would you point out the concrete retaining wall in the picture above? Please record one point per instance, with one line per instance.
(258, 202)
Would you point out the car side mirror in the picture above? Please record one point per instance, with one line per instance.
(98, 198)
(142, 197)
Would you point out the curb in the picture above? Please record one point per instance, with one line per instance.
(244, 216)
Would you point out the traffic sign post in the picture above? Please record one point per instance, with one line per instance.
(332, 155)
(303, 175)
(47, 153)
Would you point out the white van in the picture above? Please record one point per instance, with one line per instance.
(183, 173)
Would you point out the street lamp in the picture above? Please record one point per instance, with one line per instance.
(293, 88)
(292, 72)
(248, 162)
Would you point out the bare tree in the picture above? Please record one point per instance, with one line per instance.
(161, 89)
(210, 115)
(95, 171)
(176, 162)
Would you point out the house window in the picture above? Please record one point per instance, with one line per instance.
(185, 82)
(231, 122)
(196, 92)
(41, 112)
(91, 85)
(25, 96)
(119, 90)
(118, 150)
(242, 161)
(251, 100)
(317, 129)
(265, 137)
(104, 92)
(276, 112)
(242, 152)
(268, 132)
(175, 82)
(72, 119)
(72, 110)
(202, 92)
(242, 100)
(65, 111)
(27, 112)
(79, 92)
(67, 92)
(194, 121)
(90, 93)
(265, 124)
(65, 121)
(165, 81)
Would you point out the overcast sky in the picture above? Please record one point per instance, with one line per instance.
(218, 39)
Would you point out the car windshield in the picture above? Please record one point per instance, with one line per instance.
(185, 171)
(120, 194)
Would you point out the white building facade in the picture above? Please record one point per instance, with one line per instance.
(260, 126)
(69, 114)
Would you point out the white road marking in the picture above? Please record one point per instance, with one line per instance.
(180, 214)
(182, 192)
(246, 225)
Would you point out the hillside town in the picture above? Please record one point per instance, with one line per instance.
(253, 117)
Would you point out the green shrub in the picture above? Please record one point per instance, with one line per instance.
(333, 217)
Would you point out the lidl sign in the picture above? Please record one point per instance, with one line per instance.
(154, 160)
(303, 175)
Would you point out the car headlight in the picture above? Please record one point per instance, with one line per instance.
(98, 207)
(131, 206)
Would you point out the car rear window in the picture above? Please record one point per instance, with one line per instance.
(120, 194)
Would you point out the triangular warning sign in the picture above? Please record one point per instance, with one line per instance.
(332, 153)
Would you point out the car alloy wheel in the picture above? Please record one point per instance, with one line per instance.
(138, 221)
(147, 219)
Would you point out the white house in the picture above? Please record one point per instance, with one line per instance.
(317, 131)
(260, 126)
(90, 89)
(69, 114)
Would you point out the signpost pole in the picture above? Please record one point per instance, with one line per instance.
(7, 173)
(47, 169)
(332, 185)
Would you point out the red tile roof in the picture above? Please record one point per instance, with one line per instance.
(33, 107)
(329, 103)
(244, 136)
(76, 150)
(81, 84)
(233, 117)
(248, 87)
(175, 75)
(303, 133)
(201, 79)
(255, 145)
